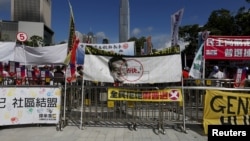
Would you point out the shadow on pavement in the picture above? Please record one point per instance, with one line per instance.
(198, 128)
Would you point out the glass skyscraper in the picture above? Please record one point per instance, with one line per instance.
(124, 24)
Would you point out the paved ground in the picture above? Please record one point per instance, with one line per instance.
(73, 133)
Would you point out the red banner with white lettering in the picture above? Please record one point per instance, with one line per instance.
(240, 77)
(227, 48)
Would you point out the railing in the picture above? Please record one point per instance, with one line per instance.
(88, 105)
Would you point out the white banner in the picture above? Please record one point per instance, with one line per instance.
(175, 22)
(151, 69)
(196, 68)
(125, 48)
(29, 105)
(41, 55)
(7, 50)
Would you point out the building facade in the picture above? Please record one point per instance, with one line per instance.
(32, 11)
(9, 30)
(124, 21)
(32, 17)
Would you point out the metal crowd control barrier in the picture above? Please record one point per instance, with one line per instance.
(87, 105)
(98, 111)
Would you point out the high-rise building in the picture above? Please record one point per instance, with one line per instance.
(31, 11)
(124, 24)
(30, 16)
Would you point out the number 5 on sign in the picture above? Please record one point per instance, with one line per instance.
(21, 36)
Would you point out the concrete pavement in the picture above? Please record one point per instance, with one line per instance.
(73, 133)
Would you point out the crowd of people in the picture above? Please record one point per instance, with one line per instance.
(37, 75)
(237, 74)
(55, 75)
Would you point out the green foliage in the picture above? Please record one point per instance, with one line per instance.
(220, 22)
(34, 41)
(139, 43)
(105, 41)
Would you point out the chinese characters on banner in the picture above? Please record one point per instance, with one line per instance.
(240, 77)
(227, 48)
(165, 95)
(29, 105)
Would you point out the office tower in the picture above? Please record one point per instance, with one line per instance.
(124, 24)
(31, 11)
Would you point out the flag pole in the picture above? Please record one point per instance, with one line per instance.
(65, 90)
(70, 40)
(83, 97)
(183, 99)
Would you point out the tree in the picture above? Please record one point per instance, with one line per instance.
(190, 33)
(34, 41)
(242, 21)
(221, 22)
(105, 41)
(139, 43)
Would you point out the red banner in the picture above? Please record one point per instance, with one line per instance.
(227, 48)
(240, 78)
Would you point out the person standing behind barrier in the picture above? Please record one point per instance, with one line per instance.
(216, 74)
(79, 75)
(185, 75)
(59, 76)
(36, 75)
(6, 76)
(185, 72)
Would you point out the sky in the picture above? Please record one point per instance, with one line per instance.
(147, 17)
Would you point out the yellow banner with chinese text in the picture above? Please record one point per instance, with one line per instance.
(165, 95)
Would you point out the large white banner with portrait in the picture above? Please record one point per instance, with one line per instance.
(150, 69)
(23, 105)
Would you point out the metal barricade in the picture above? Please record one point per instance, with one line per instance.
(96, 110)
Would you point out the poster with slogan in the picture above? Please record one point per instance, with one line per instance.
(164, 95)
(29, 105)
(226, 108)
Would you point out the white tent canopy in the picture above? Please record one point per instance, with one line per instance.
(7, 51)
(33, 55)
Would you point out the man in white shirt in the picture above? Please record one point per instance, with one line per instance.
(216, 74)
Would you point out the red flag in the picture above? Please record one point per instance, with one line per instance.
(239, 80)
(72, 46)
(73, 60)
(73, 51)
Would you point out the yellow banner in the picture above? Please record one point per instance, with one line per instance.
(223, 108)
(170, 95)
